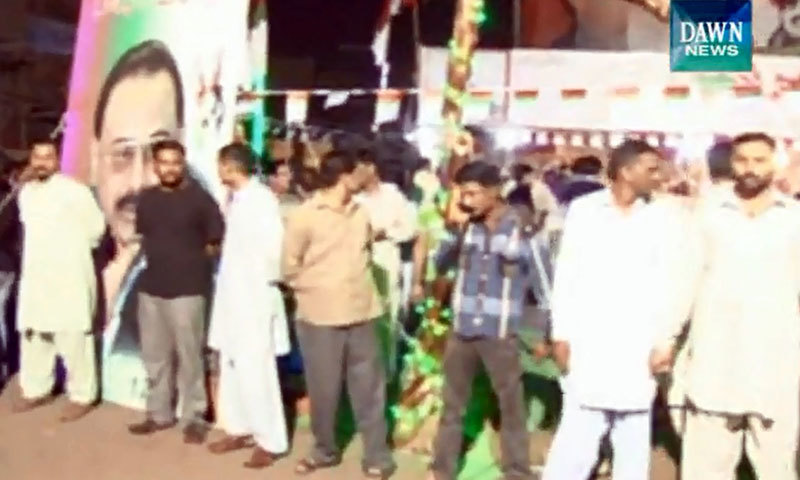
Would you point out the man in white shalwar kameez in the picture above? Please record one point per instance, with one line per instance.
(738, 293)
(58, 288)
(605, 321)
(248, 321)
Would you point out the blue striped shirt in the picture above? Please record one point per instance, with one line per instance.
(493, 273)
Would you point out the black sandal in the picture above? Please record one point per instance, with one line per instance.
(308, 465)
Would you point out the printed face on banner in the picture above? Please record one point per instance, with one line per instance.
(144, 71)
(127, 123)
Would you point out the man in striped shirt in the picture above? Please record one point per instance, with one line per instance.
(495, 264)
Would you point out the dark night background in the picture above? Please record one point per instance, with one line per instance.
(331, 49)
(312, 44)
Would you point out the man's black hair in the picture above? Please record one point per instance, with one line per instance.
(148, 57)
(46, 140)
(168, 144)
(482, 138)
(719, 161)
(520, 170)
(240, 154)
(587, 165)
(335, 164)
(271, 168)
(626, 154)
(754, 137)
(480, 172)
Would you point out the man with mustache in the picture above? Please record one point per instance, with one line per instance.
(126, 124)
(495, 263)
(740, 288)
(57, 291)
(181, 227)
(605, 293)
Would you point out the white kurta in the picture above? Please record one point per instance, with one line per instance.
(390, 211)
(740, 288)
(609, 274)
(248, 320)
(58, 286)
(608, 282)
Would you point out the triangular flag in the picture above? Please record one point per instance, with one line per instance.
(387, 106)
(296, 106)
(335, 99)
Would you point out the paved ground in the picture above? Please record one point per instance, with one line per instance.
(35, 446)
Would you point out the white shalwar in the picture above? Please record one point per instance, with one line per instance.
(58, 286)
(248, 320)
(604, 304)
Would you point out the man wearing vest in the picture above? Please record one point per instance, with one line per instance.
(495, 265)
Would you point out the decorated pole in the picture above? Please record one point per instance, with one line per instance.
(458, 142)
(419, 405)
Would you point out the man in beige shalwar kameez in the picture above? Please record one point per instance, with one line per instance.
(743, 376)
(57, 293)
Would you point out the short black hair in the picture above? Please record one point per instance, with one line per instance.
(168, 144)
(719, 160)
(271, 168)
(46, 140)
(150, 56)
(480, 172)
(334, 165)
(754, 137)
(241, 155)
(366, 155)
(307, 178)
(520, 170)
(587, 165)
(626, 154)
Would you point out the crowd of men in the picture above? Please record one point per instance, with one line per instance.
(643, 274)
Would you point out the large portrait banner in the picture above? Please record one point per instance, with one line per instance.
(144, 71)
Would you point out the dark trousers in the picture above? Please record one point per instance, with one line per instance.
(331, 356)
(462, 360)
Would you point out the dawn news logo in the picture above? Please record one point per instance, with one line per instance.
(711, 35)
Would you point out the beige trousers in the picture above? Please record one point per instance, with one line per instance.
(711, 451)
(38, 358)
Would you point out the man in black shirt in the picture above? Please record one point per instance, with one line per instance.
(181, 228)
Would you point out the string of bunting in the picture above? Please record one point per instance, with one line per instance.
(624, 91)
(506, 135)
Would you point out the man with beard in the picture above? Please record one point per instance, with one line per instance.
(181, 227)
(495, 267)
(127, 123)
(57, 293)
(740, 291)
(606, 290)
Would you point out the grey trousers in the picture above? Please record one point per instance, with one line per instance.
(501, 359)
(331, 356)
(171, 328)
